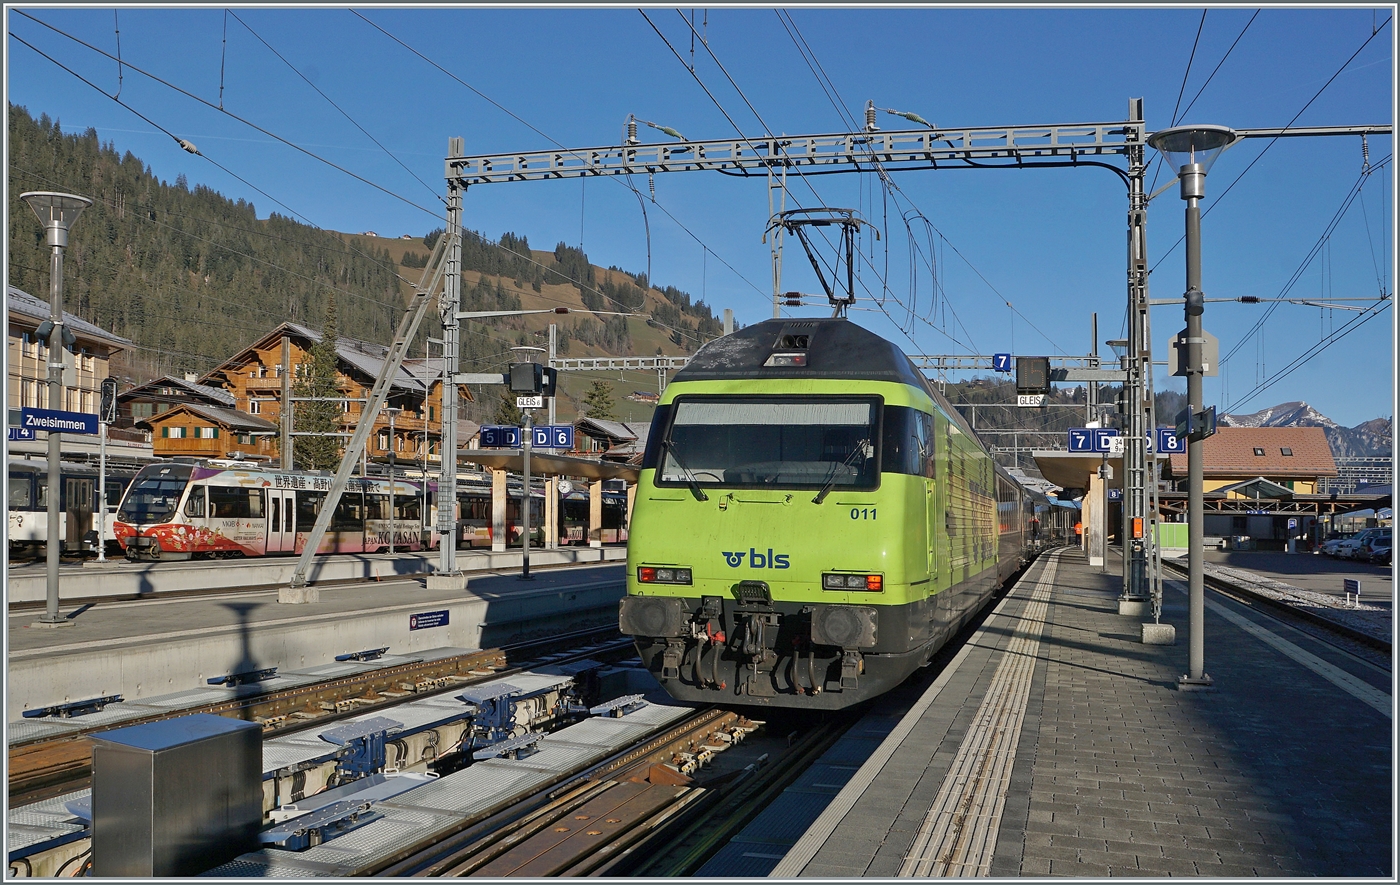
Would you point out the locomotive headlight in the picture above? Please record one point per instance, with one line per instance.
(647, 574)
(874, 583)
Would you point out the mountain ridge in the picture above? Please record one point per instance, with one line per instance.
(1369, 439)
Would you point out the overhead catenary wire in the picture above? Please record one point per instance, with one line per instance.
(1352, 193)
(190, 148)
(1272, 141)
(551, 140)
(343, 112)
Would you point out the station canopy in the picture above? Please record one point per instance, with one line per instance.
(544, 464)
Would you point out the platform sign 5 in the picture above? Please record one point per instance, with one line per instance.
(554, 436)
(495, 436)
(1168, 442)
(1001, 362)
(1081, 439)
(1102, 435)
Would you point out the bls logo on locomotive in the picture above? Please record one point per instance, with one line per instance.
(757, 559)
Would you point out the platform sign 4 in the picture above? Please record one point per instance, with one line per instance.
(496, 436)
(554, 436)
(20, 433)
(1001, 362)
(1081, 439)
(57, 421)
(1168, 442)
(1102, 439)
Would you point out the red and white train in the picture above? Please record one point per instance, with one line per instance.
(179, 510)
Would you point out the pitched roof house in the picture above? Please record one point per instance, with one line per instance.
(1292, 457)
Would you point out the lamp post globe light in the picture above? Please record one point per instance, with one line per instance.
(56, 213)
(1192, 150)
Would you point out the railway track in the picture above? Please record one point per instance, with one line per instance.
(1318, 625)
(47, 767)
(665, 804)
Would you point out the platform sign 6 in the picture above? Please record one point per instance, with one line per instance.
(554, 436)
(1168, 442)
(496, 436)
(1001, 362)
(1102, 437)
(1081, 439)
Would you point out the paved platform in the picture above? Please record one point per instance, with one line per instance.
(28, 583)
(1057, 744)
(142, 648)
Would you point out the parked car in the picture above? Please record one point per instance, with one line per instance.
(1381, 556)
(1367, 551)
(1329, 546)
(1352, 548)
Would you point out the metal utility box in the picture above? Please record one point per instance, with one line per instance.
(176, 797)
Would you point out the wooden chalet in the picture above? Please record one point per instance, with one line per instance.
(254, 377)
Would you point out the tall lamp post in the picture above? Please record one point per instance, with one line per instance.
(56, 212)
(1193, 150)
(393, 412)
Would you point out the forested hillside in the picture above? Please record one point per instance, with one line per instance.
(191, 276)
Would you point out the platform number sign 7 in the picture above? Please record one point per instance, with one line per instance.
(1001, 362)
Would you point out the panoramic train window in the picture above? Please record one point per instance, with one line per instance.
(151, 499)
(778, 442)
(235, 503)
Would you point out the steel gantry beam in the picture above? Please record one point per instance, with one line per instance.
(893, 150)
(774, 157)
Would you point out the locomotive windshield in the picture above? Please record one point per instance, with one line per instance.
(154, 494)
(772, 442)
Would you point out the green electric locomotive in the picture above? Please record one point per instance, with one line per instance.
(813, 521)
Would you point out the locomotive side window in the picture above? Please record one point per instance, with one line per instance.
(772, 442)
(906, 442)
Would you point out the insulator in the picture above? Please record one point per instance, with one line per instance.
(1365, 155)
(651, 185)
(870, 117)
(631, 130)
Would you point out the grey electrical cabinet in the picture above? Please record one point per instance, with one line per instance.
(175, 798)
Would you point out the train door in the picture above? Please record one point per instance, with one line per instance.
(281, 521)
(77, 492)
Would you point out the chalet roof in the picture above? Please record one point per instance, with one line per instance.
(20, 303)
(231, 419)
(214, 394)
(365, 357)
(619, 431)
(1230, 452)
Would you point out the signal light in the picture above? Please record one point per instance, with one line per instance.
(647, 574)
(787, 360)
(873, 583)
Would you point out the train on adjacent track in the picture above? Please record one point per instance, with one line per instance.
(814, 521)
(79, 505)
(217, 508)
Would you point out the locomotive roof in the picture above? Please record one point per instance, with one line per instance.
(835, 348)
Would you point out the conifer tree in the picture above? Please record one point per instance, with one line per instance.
(598, 402)
(506, 412)
(319, 378)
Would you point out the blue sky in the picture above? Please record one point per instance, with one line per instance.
(1050, 242)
